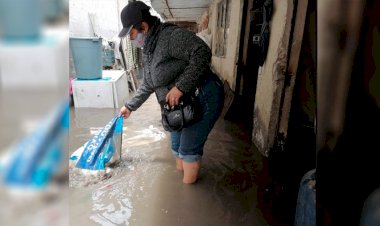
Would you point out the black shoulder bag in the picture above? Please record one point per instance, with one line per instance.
(185, 114)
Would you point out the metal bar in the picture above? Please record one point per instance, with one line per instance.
(167, 6)
(191, 8)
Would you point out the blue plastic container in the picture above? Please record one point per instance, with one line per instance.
(20, 19)
(52, 9)
(87, 57)
(108, 57)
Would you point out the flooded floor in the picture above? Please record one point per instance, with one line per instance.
(21, 112)
(146, 189)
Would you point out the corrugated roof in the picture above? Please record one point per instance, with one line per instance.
(180, 10)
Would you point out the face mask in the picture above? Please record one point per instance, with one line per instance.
(139, 40)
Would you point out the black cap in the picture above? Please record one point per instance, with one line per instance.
(131, 15)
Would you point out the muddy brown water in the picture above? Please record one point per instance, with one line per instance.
(21, 112)
(146, 189)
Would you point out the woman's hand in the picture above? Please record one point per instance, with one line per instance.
(173, 96)
(125, 112)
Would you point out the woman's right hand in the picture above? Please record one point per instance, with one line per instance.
(125, 112)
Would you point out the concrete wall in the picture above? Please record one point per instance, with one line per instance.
(226, 66)
(105, 19)
(271, 79)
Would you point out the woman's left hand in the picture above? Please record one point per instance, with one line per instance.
(173, 96)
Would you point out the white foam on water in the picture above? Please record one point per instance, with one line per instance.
(146, 136)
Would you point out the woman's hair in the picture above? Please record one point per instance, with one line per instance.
(148, 18)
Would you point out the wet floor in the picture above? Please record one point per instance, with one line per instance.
(146, 189)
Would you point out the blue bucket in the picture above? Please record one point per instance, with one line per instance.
(87, 57)
(52, 9)
(108, 57)
(20, 19)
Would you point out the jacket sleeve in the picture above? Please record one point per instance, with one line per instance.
(142, 94)
(186, 46)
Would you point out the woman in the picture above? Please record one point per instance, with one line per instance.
(176, 62)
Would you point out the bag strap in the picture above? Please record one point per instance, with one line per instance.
(182, 116)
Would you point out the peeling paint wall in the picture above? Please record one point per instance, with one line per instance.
(271, 79)
(226, 66)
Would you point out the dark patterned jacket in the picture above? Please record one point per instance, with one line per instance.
(172, 56)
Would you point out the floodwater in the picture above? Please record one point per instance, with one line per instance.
(146, 189)
(21, 112)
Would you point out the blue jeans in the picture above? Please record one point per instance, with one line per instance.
(371, 210)
(188, 143)
(306, 201)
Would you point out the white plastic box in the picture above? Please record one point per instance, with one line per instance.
(109, 92)
(36, 64)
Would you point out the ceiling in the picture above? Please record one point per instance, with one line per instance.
(180, 10)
